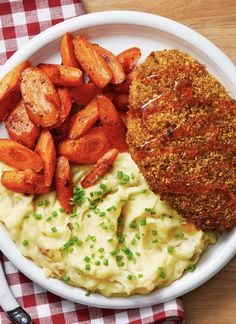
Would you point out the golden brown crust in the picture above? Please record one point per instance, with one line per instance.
(181, 133)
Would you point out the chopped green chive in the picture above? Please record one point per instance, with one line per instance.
(102, 214)
(87, 267)
(25, 242)
(154, 232)
(110, 240)
(88, 293)
(103, 186)
(132, 176)
(38, 216)
(91, 246)
(129, 277)
(133, 242)
(148, 209)
(179, 236)
(61, 210)
(26, 216)
(170, 249)
(54, 213)
(162, 272)
(137, 253)
(104, 178)
(137, 236)
(40, 203)
(119, 174)
(113, 253)
(97, 262)
(49, 219)
(133, 225)
(105, 262)
(143, 222)
(46, 202)
(80, 272)
(111, 227)
(140, 275)
(54, 229)
(191, 267)
(101, 250)
(155, 241)
(66, 278)
(112, 208)
(87, 259)
(129, 253)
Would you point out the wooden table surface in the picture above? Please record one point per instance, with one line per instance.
(215, 301)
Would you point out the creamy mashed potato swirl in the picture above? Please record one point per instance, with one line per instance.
(120, 240)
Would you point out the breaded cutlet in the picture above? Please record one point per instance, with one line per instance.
(181, 133)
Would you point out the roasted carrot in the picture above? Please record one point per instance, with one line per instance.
(85, 93)
(91, 62)
(118, 74)
(83, 120)
(46, 150)
(129, 58)
(27, 182)
(64, 185)
(110, 94)
(121, 101)
(124, 117)
(20, 128)
(111, 123)
(124, 86)
(66, 104)
(40, 97)
(19, 156)
(63, 75)
(67, 51)
(10, 89)
(86, 149)
(100, 168)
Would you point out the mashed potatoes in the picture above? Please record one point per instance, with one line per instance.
(120, 238)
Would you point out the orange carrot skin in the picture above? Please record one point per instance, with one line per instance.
(10, 89)
(91, 62)
(100, 168)
(85, 93)
(112, 124)
(84, 120)
(124, 86)
(27, 182)
(118, 74)
(121, 101)
(124, 117)
(46, 150)
(66, 104)
(129, 58)
(67, 51)
(87, 149)
(19, 156)
(40, 97)
(20, 128)
(64, 184)
(63, 75)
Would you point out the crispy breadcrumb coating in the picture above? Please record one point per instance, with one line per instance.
(181, 133)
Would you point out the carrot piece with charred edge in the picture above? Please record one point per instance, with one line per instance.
(27, 182)
(110, 94)
(129, 58)
(40, 97)
(84, 120)
(91, 62)
(64, 185)
(124, 86)
(19, 156)
(118, 74)
(112, 124)
(121, 101)
(124, 117)
(63, 75)
(86, 149)
(66, 104)
(46, 150)
(85, 93)
(67, 51)
(20, 128)
(10, 89)
(100, 168)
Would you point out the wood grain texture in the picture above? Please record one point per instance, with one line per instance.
(215, 301)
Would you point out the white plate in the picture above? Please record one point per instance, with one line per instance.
(118, 30)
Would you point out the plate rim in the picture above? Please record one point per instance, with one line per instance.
(105, 18)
